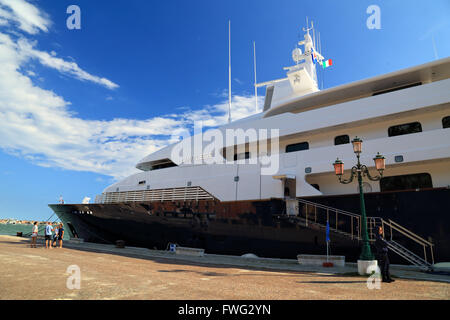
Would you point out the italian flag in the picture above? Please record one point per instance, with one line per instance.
(326, 64)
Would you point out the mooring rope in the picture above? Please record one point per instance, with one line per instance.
(40, 228)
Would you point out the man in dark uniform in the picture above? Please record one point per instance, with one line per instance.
(382, 256)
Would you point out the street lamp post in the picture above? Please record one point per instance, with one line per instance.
(361, 170)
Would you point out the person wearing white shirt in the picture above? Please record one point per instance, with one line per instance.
(48, 235)
(34, 234)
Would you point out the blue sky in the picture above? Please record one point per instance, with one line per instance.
(78, 108)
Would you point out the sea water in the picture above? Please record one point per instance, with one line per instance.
(12, 229)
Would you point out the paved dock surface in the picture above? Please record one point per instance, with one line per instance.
(136, 273)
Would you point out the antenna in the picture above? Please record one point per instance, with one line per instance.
(322, 73)
(314, 35)
(320, 51)
(307, 26)
(229, 71)
(320, 44)
(254, 64)
(434, 48)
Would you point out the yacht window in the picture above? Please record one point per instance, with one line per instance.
(241, 156)
(341, 139)
(142, 182)
(315, 185)
(163, 165)
(446, 122)
(297, 147)
(268, 99)
(156, 164)
(406, 182)
(406, 128)
(397, 88)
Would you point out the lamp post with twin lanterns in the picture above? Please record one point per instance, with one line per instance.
(361, 170)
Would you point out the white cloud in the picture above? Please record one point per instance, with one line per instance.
(26, 48)
(39, 125)
(29, 18)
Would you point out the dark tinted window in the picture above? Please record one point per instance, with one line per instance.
(398, 88)
(446, 122)
(406, 128)
(297, 147)
(406, 182)
(342, 139)
(163, 165)
(241, 156)
(315, 185)
(268, 99)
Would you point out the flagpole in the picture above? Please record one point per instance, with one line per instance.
(229, 71)
(256, 88)
(327, 237)
(328, 242)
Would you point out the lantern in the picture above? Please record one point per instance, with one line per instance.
(357, 145)
(338, 167)
(380, 162)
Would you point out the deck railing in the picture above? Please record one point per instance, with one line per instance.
(169, 194)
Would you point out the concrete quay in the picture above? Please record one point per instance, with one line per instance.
(107, 272)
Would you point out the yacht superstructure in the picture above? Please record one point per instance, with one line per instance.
(234, 205)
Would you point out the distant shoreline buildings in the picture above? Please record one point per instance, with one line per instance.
(16, 221)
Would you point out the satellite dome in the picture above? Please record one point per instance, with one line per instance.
(297, 54)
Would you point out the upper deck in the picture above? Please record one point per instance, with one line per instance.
(397, 80)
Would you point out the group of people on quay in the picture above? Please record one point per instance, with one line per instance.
(54, 234)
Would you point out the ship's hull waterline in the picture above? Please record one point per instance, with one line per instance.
(258, 227)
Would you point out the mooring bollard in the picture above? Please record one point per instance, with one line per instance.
(120, 244)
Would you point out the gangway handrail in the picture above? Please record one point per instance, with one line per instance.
(419, 238)
(329, 208)
(353, 233)
(372, 223)
(414, 256)
(408, 233)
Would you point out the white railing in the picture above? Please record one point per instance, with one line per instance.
(170, 194)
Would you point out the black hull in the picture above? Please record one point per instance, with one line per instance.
(280, 238)
(266, 232)
(425, 212)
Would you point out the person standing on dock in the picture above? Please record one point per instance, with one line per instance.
(55, 235)
(382, 256)
(48, 235)
(34, 234)
(60, 234)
